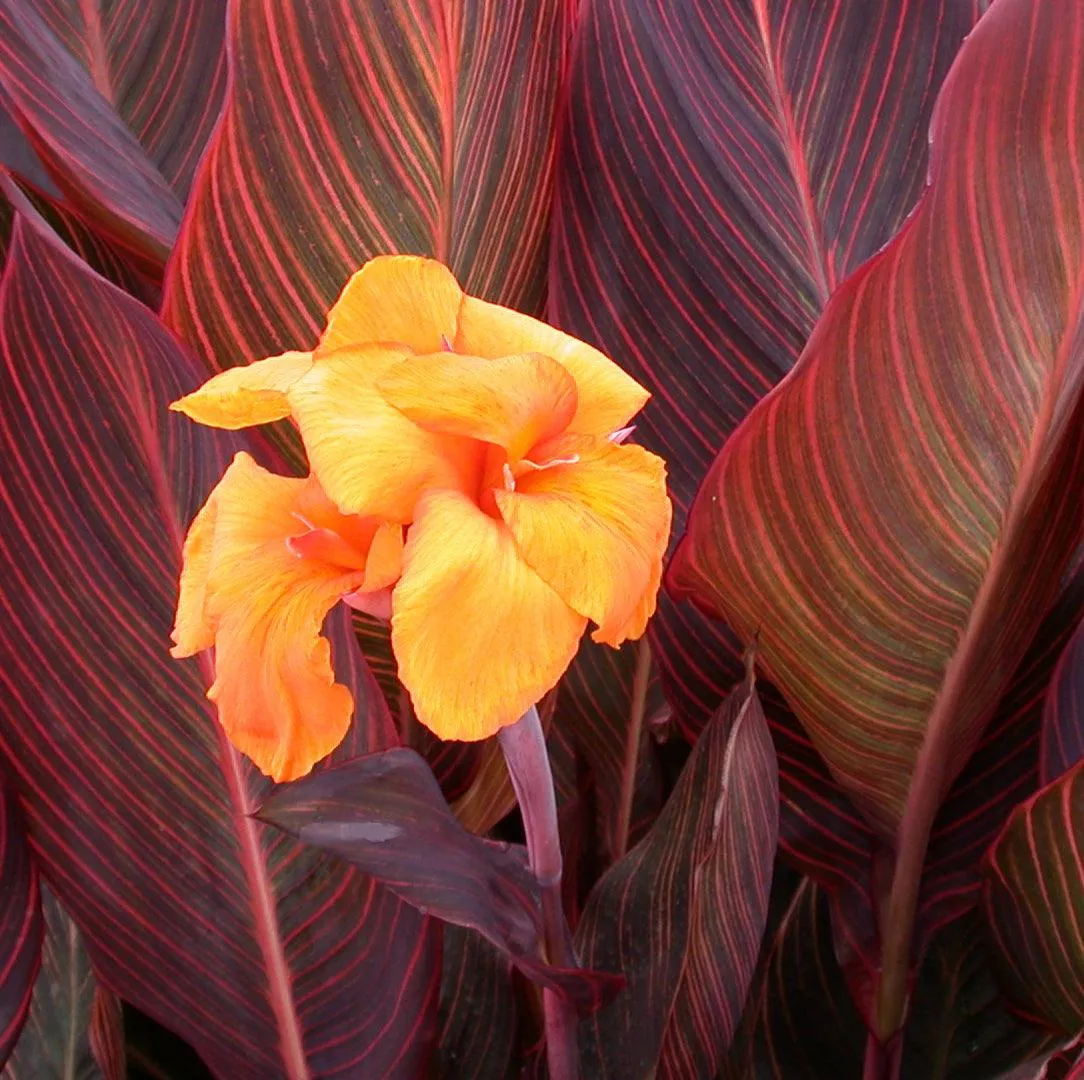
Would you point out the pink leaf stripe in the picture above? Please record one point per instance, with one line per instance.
(56, 1042)
(682, 914)
(1034, 904)
(20, 925)
(726, 164)
(385, 814)
(1063, 718)
(353, 129)
(160, 64)
(90, 153)
(258, 952)
(892, 519)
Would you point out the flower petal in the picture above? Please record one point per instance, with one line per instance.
(274, 686)
(193, 630)
(479, 637)
(368, 456)
(512, 401)
(247, 395)
(396, 298)
(608, 397)
(596, 531)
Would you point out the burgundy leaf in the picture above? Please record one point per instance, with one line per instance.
(682, 914)
(21, 925)
(385, 814)
(1062, 744)
(260, 953)
(725, 165)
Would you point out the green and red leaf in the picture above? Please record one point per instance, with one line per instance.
(725, 165)
(257, 951)
(891, 520)
(353, 129)
(681, 916)
(20, 925)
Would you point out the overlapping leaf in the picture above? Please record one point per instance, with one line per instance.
(67, 1036)
(118, 101)
(353, 129)
(903, 527)
(260, 953)
(1063, 718)
(20, 925)
(682, 914)
(725, 166)
(385, 814)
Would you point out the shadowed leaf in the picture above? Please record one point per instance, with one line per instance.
(385, 814)
(1063, 718)
(259, 952)
(682, 914)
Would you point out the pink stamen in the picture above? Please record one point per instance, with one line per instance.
(621, 434)
(445, 344)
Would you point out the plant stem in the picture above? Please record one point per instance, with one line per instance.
(883, 1060)
(633, 739)
(524, 746)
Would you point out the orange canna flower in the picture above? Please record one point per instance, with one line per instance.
(469, 481)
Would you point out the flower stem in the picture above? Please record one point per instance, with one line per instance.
(633, 738)
(524, 746)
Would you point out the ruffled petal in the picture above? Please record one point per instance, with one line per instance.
(368, 456)
(478, 636)
(608, 397)
(193, 630)
(512, 401)
(248, 395)
(396, 298)
(596, 531)
(274, 686)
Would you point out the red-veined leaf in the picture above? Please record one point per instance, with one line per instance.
(1034, 904)
(479, 1011)
(353, 129)
(726, 165)
(20, 925)
(385, 814)
(56, 1043)
(260, 953)
(89, 151)
(159, 63)
(894, 593)
(107, 1037)
(1063, 719)
(1068, 1065)
(682, 914)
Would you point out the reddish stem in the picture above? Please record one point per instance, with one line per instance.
(883, 1060)
(524, 747)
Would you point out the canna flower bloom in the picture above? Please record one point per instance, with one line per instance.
(469, 481)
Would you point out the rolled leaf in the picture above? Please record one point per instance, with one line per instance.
(20, 925)
(1034, 904)
(64, 1021)
(260, 953)
(725, 166)
(353, 129)
(385, 814)
(892, 520)
(682, 914)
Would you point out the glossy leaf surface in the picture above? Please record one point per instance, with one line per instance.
(726, 165)
(235, 937)
(385, 814)
(20, 925)
(418, 128)
(892, 519)
(682, 914)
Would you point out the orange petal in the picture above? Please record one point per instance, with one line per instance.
(396, 298)
(247, 395)
(277, 698)
(478, 635)
(608, 398)
(512, 401)
(193, 631)
(368, 456)
(596, 532)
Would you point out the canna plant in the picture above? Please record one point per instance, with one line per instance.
(471, 315)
